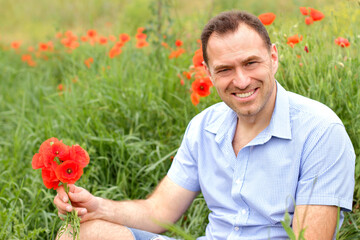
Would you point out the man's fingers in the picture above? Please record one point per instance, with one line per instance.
(80, 195)
(61, 205)
(72, 188)
(76, 189)
(62, 194)
(81, 211)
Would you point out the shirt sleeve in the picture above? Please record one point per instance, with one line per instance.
(184, 169)
(327, 169)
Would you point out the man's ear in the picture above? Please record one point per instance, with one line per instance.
(274, 58)
(208, 72)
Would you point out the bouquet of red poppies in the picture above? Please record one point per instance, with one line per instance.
(61, 165)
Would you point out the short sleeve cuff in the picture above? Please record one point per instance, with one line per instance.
(177, 178)
(344, 204)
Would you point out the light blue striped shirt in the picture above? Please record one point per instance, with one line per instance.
(304, 155)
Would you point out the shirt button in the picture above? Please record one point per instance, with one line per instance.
(243, 211)
(236, 228)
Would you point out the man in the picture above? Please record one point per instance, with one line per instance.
(259, 153)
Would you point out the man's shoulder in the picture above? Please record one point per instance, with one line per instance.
(304, 108)
(213, 115)
(213, 112)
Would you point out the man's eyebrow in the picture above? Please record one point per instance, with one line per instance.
(251, 58)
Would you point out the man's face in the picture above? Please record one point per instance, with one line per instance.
(242, 70)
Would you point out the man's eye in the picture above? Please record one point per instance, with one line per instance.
(250, 63)
(223, 70)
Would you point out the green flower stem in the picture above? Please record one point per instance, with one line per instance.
(66, 188)
(72, 219)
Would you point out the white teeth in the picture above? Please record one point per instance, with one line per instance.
(244, 95)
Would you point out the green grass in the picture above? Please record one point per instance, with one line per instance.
(131, 115)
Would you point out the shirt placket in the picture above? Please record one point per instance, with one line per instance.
(237, 184)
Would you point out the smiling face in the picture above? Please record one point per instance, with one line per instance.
(242, 69)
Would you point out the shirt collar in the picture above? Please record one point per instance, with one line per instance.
(279, 124)
(224, 124)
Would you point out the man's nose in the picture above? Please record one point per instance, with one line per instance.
(241, 79)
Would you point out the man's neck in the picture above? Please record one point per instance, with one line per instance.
(248, 127)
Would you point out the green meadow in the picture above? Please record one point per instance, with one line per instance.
(130, 112)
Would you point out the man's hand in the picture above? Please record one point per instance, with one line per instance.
(82, 201)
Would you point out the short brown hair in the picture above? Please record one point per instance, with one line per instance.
(229, 21)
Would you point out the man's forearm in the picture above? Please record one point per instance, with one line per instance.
(165, 205)
(133, 213)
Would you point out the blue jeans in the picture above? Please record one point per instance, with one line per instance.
(143, 235)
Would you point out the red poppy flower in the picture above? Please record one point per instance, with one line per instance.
(304, 11)
(26, 57)
(140, 29)
(198, 58)
(47, 143)
(202, 86)
(43, 46)
(316, 15)
(69, 172)
(267, 18)
(15, 44)
(200, 72)
(195, 98)
(102, 40)
(45, 150)
(79, 155)
(187, 74)
(70, 42)
(306, 49)
(60, 150)
(142, 43)
(60, 87)
(178, 43)
(74, 45)
(140, 36)
(124, 37)
(342, 42)
(89, 61)
(291, 41)
(37, 161)
(70, 35)
(114, 52)
(49, 162)
(176, 53)
(91, 33)
(309, 21)
(49, 178)
(164, 44)
(119, 44)
(31, 63)
(50, 45)
(84, 38)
